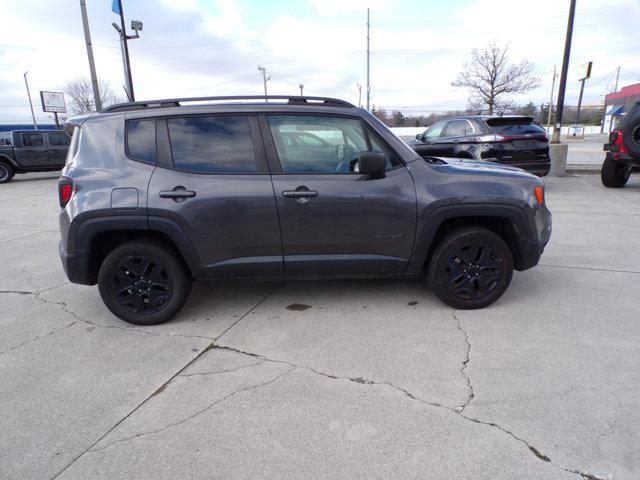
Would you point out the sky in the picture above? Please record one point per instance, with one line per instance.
(213, 47)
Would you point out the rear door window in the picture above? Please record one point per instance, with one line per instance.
(216, 144)
(514, 126)
(32, 139)
(58, 139)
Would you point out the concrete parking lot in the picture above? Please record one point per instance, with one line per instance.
(333, 379)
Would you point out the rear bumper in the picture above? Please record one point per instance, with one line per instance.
(76, 266)
(622, 157)
(531, 249)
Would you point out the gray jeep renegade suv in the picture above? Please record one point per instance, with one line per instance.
(156, 194)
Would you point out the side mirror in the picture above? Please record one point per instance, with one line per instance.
(418, 136)
(372, 164)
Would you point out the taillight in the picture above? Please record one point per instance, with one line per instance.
(65, 191)
(490, 138)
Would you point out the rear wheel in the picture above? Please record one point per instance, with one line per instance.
(143, 283)
(6, 172)
(471, 268)
(615, 174)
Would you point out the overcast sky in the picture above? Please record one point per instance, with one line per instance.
(213, 47)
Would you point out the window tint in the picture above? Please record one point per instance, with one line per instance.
(435, 130)
(212, 144)
(58, 139)
(514, 127)
(141, 140)
(32, 140)
(321, 144)
(458, 128)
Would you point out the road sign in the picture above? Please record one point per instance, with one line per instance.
(53, 102)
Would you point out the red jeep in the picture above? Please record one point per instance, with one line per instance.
(623, 151)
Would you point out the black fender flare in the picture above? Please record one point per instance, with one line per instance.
(517, 212)
(83, 230)
(10, 161)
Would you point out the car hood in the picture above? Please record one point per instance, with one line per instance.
(460, 165)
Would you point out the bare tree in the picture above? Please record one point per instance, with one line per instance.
(491, 78)
(80, 91)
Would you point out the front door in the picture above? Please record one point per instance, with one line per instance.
(216, 186)
(335, 221)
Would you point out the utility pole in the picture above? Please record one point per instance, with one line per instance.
(359, 95)
(92, 65)
(615, 89)
(553, 86)
(563, 74)
(264, 79)
(368, 55)
(301, 87)
(35, 124)
(582, 80)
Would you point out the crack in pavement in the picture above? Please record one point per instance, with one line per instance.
(465, 363)
(162, 387)
(218, 372)
(595, 269)
(192, 416)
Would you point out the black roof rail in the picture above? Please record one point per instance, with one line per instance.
(177, 102)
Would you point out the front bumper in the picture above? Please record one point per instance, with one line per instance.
(531, 249)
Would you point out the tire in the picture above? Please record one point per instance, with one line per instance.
(631, 133)
(614, 174)
(162, 282)
(6, 172)
(480, 255)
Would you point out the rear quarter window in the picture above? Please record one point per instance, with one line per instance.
(514, 127)
(141, 140)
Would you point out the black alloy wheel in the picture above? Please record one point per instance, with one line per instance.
(144, 282)
(470, 268)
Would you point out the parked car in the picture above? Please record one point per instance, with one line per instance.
(158, 193)
(23, 151)
(512, 140)
(623, 151)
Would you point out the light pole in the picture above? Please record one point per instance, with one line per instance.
(136, 26)
(553, 86)
(35, 124)
(368, 55)
(264, 79)
(301, 87)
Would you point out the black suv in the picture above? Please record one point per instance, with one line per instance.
(512, 140)
(23, 151)
(158, 193)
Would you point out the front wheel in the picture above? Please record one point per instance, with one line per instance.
(6, 172)
(471, 268)
(143, 283)
(614, 174)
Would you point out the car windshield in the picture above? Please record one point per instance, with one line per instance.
(512, 126)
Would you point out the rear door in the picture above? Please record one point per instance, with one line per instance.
(31, 152)
(335, 221)
(58, 147)
(212, 180)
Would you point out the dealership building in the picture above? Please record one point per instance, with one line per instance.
(617, 104)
